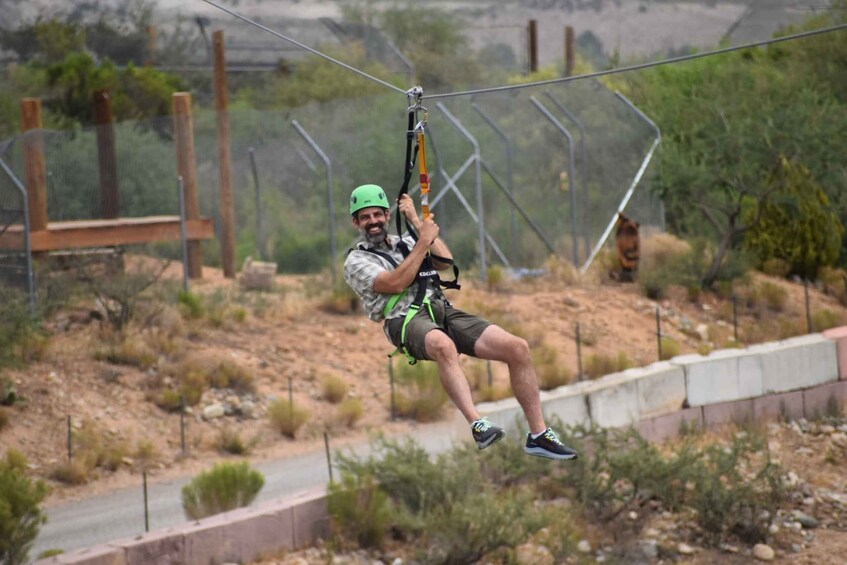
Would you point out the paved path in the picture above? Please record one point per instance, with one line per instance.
(120, 514)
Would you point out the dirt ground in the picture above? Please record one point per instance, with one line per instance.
(295, 336)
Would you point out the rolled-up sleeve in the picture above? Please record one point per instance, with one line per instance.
(360, 271)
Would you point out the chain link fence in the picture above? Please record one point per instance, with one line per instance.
(516, 176)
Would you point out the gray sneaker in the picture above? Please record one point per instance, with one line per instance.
(485, 433)
(548, 445)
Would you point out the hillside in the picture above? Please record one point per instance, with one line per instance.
(291, 336)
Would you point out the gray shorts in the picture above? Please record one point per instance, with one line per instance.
(463, 328)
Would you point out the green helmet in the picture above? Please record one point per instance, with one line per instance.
(366, 196)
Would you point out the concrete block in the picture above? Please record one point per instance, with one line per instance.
(163, 547)
(736, 412)
(613, 401)
(206, 540)
(311, 518)
(506, 413)
(669, 426)
(839, 336)
(568, 404)
(96, 555)
(725, 375)
(661, 389)
(818, 400)
(798, 363)
(774, 407)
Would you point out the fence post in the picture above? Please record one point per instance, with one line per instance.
(808, 307)
(34, 169)
(328, 459)
(187, 169)
(532, 39)
(569, 51)
(659, 332)
(578, 354)
(182, 423)
(224, 157)
(110, 206)
(146, 511)
(735, 317)
(70, 441)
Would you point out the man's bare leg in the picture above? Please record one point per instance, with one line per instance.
(497, 344)
(442, 350)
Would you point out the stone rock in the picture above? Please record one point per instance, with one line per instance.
(213, 411)
(808, 522)
(763, 552)
(685, 549)
(532, 554)
(584, 546)
(702, 332)
(649, 547)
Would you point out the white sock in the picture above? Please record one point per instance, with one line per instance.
(535, 436)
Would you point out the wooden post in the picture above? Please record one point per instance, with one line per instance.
(569, 51)
(34, 169)
(532, 35)
(187, 168)
(151, 45)
(224, 158)
(110, 206)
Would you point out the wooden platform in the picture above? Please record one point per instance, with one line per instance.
(106, 233)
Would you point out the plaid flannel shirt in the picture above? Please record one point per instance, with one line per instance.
(361, 269)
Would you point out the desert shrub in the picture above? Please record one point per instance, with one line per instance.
(421, 396)
(670, 348)
(97, 448)
(230, 441)
(341, 300)
(834, 282)
(730, 489)
(214, 372)
(17, 325)
(660, 250)
(496, 278)
(451, 509)
(359, 509)
(350, 411)
(773, 295)
(127, 350)
(225, 486)
(74, 472)
(20, 513)
(145, 454)
(599, 364)
(776, 267)
(286, 417)
(191, 304)
(4, 419)
(551, 374)
(333, 389)
(825, 318)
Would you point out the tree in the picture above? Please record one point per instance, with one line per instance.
(20, 514)
(798, 225)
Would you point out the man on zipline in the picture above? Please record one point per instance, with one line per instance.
(385, 271)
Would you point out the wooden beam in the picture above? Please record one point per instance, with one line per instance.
(227, 210)
(187, 169)
(107, 233)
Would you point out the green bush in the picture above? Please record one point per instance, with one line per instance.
(360, 510)
(825, 318)
(20, 514)
(286, 417)
(670, 348)
(225, 486)
(799, 225)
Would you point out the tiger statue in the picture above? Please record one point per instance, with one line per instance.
(628, 245)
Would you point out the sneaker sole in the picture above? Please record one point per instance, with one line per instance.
(492, 440)
(538, 452)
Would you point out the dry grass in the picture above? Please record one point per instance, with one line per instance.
(286, 418)
(4, 419)
(659, 250)
(349, 412)
(670, 348)
(551, 373)
(229, 441)
(75, 472)
(333, 389)
(600, 364)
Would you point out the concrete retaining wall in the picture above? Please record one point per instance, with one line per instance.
(799, 377)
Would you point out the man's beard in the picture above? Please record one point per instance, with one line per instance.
(375, 238)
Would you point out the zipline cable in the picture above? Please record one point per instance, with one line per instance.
(641, 66)
(306, 47)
